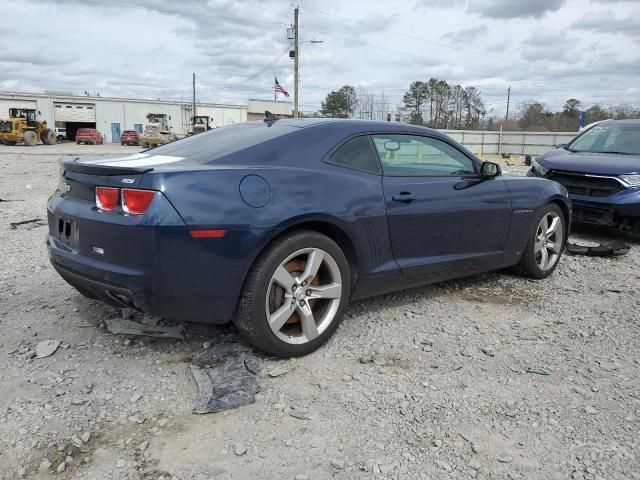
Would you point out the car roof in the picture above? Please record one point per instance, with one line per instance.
(630, 121)
(352, 126)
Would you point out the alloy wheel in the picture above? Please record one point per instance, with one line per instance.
(303, 296)
(548, 242)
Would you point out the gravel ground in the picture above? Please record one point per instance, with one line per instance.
(493, 376)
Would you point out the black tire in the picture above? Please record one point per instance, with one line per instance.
(251, 317)
(528, 265)
(48, 137)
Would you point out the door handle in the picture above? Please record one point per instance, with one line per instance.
(404, 197)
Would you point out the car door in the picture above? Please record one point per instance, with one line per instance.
(442, 215)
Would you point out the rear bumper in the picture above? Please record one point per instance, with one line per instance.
(158, 269)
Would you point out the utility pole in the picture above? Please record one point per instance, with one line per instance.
(193, 119)
(296, 49)
(506, 117)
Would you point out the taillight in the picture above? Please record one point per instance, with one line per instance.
(136, 202)
(107, 197)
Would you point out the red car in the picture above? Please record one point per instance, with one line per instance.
(129, 137)
(89, 136)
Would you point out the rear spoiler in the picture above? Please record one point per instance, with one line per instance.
(70, 165)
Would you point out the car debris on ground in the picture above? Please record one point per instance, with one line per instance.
(148, 326)
(613, 249)
(226, 374)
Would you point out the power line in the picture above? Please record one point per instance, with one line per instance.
(413, 37)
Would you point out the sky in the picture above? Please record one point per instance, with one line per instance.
(546, 50)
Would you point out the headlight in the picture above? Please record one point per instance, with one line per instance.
(538, 169)
(631, 180)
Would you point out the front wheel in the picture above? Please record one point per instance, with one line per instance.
(295, 295)
(544, 249)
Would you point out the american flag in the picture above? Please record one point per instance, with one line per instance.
(279, 88)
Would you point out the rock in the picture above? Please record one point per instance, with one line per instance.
(61, 467)
(368, 357)
(85, 437)
(143, 446)
(136, 397)
(278, 371)
(591, 410)
(78, 401)
(239, 449)
(137, 419)
(162, 422)
(505, 459)
(300, 476)
(76, 441)
(489, 352)
(22, 472)
(475, 464)
(47, 348)
(386, 468)
(45, 465)
(444, 465)
(121, 463)
(337, 463)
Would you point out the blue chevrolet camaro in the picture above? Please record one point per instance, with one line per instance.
(601, 170)
(276, 225)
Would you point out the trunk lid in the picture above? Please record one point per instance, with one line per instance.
(80, 175)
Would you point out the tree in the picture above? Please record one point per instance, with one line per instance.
(532, 116)
(414, 100)
(457, 104)
(341, 103)
(475, 107)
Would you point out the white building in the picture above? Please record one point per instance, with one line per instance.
(111, 116)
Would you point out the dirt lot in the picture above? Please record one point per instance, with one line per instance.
(493, 376)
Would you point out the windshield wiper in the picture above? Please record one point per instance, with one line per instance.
(569, 149)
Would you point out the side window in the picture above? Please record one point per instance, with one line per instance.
(356, 154)
(416, 156)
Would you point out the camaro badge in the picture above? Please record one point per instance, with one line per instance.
(128, 180)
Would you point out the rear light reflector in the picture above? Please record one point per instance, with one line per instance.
(136, 202)
(107, 197)
(208, 233)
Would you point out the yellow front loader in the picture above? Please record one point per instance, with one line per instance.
(23, 126)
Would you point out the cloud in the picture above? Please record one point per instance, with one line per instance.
(606, 22)
(440, 3)
(514, 8)
(465, 35)
(150, 50)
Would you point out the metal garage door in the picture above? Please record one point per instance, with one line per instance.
(74, 112)
(5, 105)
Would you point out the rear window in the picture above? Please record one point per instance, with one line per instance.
(219, 142)
(84, 130)
(128, 132)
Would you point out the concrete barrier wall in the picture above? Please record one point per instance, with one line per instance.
(520, 143)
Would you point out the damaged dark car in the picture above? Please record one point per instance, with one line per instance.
(601, 170)
(277, 225)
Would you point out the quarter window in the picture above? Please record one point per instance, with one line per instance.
(356, 154)
(416, 156)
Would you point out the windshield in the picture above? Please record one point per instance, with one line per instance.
(609, 138)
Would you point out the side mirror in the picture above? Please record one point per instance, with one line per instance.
(490, 170)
